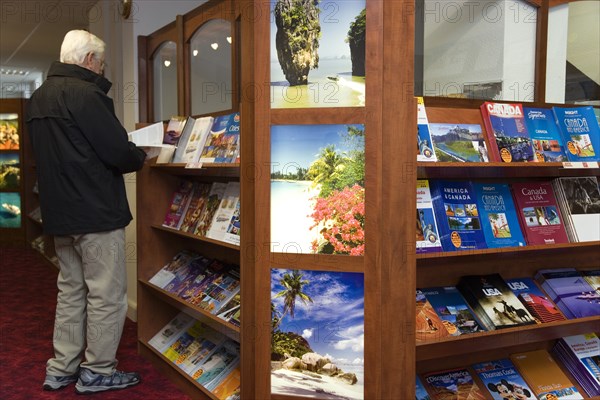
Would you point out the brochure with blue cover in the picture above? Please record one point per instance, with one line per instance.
(580, 132)
(545, 136)
(457, 216)
(499, 218)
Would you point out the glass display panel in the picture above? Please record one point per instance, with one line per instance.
(211, 67)
(164, 69)
(317, 189)
(317, 320)
(477, 50)
(318, 53)
(573, 60)
(9, 131)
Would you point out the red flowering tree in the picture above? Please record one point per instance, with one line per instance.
(340, 218)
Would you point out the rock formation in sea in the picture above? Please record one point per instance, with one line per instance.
(297, 38)
(356, 40)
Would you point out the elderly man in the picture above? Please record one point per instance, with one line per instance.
(81, 152)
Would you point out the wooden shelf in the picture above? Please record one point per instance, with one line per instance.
(195, 237)
(498, 170)
(37, 221)
(212, 320)
(499, 339)
(540, 249)
(511, 263)
(213, 170)
(172, 370)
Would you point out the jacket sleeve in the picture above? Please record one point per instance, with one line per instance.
(96, 118)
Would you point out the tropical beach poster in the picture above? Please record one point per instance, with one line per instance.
(317, 340)
(317, 189)
(317, 53)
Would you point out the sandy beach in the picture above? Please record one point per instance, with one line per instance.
(293, 383)
(292, 202)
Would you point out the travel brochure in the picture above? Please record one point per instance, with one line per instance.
(513, 133)
(479, 214)
(534, 374)
(458, 142)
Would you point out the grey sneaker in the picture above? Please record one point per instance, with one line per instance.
(58, 382)
(90, 382)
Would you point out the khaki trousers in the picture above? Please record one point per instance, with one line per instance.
(92, 302)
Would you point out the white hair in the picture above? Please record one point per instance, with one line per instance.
(77, 44)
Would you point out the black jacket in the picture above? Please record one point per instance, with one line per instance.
(81, 153)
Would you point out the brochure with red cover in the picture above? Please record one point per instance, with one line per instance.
(539, 213)
(507, 133)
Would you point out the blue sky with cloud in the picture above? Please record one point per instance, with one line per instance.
(294, 146)
(334, 323)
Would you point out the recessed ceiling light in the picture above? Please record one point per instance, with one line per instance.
(15, 71)
(215, 45)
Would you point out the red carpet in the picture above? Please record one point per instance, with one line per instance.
(27, 302)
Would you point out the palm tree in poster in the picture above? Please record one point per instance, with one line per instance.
(293, 284)
(326, 168)
(275, 317)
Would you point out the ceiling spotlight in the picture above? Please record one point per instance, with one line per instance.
(229, 39)
(195, 53)
(167, 63)
(18, 72)
(215, 45)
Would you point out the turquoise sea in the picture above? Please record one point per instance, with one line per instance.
(344, 90)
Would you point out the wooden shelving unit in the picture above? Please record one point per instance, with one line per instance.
(501, 339)
(157, 245)
(445, 269)
(392, 271)
(448, 170)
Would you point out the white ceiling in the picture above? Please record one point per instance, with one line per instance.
(31, 32)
